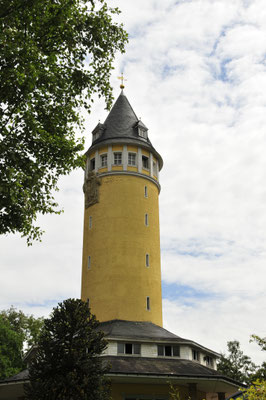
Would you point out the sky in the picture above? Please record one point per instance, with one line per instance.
(196, 76)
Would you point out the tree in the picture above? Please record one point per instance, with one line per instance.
(257, 391)
(11, 343)
(260, 341)
(54, 55)
(18, 332)
(260, 374)
(236, 365)
(26, 326)
(67, 363)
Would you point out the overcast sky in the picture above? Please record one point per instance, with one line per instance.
(196, 75)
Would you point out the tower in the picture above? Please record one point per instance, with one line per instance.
(121, 273)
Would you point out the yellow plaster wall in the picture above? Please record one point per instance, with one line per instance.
(134, 149)
(117, 148)
(145, 172)
(103, 169)
(117, 167)
(132, 168)
(118, 281)
(145, 153)
(103, 150)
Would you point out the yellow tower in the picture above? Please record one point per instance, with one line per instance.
(121, 273)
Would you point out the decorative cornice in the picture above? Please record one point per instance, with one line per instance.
(132, 173)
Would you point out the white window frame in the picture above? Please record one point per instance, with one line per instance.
(105, 158)
(118, 158)
(209, 361)
(172, 350)
(144, 160)
(92, 164)
(129, 160)
(195, 355)
(143, 133)
(95, 136)
(133, 348)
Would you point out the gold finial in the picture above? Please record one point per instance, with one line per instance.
(122, 79)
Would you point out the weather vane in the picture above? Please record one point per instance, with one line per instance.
(122, 79)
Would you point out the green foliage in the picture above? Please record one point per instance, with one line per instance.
(236, 364)
(67, 364)
(54, 56)
(260, 341)
(257, 391)
(18, 332)
(11, 343)
(26, 326)
(174, 393)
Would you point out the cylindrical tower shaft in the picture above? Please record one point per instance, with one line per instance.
(121, 273)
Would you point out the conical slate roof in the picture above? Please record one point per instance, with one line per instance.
(121, 122)
(122, 126)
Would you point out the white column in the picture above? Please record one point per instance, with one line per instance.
(124, 157)
(139, 160)
(109, 158)
(151, 165)
(97, 161)
(158, 172)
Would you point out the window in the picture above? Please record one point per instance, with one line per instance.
(209, 361)
(88, 302)
(195, 355)
(96, 135)
(145, 162)
(146, 220)
(104, 160)
(131, 159)
(92, 164)
(147, 260)
(89, 261)
(143, 133)
(128, 348)
(90, 222)
(117, 158)
(145, 191)
(148, 306)
(168, 350)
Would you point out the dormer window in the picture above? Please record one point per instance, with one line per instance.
(142, 133)
(96, 135)
(128, 348)
(142, 130)
(209, 361)
(195, 355)
(97, 132)
(167, 350)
